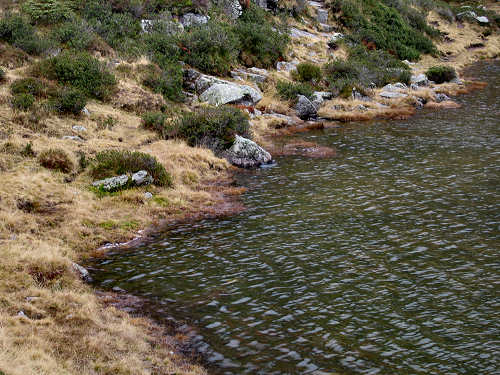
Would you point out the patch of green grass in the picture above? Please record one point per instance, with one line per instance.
(290, 90)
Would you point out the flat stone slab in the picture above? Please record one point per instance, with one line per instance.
(392, 95)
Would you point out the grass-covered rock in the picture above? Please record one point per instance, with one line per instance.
(441, 73)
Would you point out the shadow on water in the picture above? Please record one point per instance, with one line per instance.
(382, 260)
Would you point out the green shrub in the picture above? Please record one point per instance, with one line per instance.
(212, 127)
(364, 68)
(74, 34)
(3, 76)
(47, 11)
(56, 159)
(80, 70)
(154, 121)
(16, 30)
(70, 100)
(307, 72)
(213, 48)
(262, 42)
(290, 90)
(440, 74)
(115, 162)
(23, 102)
(28, 85)
(393, 26)
(167, 82)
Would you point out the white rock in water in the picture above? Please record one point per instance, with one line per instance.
(247, 154)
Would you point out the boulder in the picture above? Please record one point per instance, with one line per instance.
(142, 178)
(420, 80)
(392, 94)
(112, 183)
(224, 93)
(245, 153)
(482, 19)
(322, 16)
(305, 108)
(319, 97)
(192, 19)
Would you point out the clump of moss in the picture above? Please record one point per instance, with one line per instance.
(56, 159)
(441, 73)
(116, 162)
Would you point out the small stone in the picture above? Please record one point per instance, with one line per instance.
(82, 271)
(31, 299)
(482, 19)
(74, 138)
(85, 111)
(148, 195)
(442, 98)
(79, 128)
(413, 86)
(361, 108)
(142, 178)
(21, 314)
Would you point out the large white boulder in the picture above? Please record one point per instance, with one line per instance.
(225, 93)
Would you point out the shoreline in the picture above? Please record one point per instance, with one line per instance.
(165, 323)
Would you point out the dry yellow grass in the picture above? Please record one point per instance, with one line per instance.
(48, 221)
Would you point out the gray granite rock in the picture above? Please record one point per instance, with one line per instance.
(142, 178)
(247, 154)
(305, 108)
(112, 183)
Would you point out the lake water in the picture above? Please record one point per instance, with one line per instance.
(381, 260)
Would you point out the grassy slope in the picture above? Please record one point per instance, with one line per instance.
(67, 329)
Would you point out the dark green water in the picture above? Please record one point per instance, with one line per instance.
(383, 260)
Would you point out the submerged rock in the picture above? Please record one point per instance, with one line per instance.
(247, 154)
(305, 108)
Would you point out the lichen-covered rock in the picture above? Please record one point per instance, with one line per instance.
(192, 19)
(142, 178)
(420, 80)
(305, 108)
(112, 183)
(224, 93)
(245, 153)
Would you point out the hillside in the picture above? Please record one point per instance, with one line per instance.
(185, 92)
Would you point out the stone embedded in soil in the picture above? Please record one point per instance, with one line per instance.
(112, 183)
(79, 128)
(392, 95)
(420, 80)
(74, 138)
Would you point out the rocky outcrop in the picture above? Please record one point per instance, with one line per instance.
(228, 93)
(305, 108)
(245, 153)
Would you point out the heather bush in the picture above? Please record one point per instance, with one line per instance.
(290, 90)
(56, 159)
(440, 74)
(307, 72)
(167, 81)
(74, 34)
(28, 85)
(16, 30)
(154, 121)
(116, 162)
(23, 102)
(47, 11)
(212, 127)
(80, 70)
(70, 101)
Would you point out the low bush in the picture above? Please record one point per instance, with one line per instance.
(307, 72)
(56, 159)
(262, 42)
(364, 69)
(23, 102)
(212, 48)
(212, 127)
(70, 100)
(3, 76)
(440, 74)
(154, 121)
(74, 34)
(47, 11)
(290, 90)
(28, 85)
(80, 70)
(16, 30)
(116, 162)
(167, 81)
